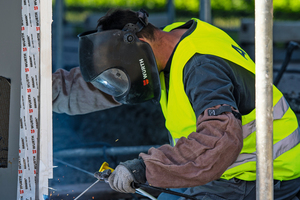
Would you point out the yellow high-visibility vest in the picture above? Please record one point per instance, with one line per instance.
(181, 119)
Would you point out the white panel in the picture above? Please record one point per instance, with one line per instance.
(35, 152)
(46, 157)
(29, 111)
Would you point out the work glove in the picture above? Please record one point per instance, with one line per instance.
(127, 173)
(121, 179)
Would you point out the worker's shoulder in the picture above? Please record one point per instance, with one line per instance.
(207, 62)
(210, 67)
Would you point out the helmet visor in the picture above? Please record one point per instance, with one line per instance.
(112, 81)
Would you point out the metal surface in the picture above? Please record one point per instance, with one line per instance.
(205, 11)
(264, 98)
(171, 11)
(101, 176)
(95, 152)
(145, 194)
(10, 67)
(87, 189)
(59, 34)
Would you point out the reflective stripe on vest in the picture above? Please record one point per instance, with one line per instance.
(279, 110)
(278, 149)
(181, 119)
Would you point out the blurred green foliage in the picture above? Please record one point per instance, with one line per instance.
(283, 9)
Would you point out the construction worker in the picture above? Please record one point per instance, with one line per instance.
(205, 84)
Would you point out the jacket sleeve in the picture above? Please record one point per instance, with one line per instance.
(72, 95)
(206, 153)
(202, 157)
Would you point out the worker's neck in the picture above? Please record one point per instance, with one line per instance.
(164, 44)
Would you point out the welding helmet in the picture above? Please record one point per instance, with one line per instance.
(119, 64)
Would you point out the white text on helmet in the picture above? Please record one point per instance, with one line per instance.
(144, 72)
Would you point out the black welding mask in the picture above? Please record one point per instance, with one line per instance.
(119, 64)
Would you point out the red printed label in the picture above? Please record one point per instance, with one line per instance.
(146, 82)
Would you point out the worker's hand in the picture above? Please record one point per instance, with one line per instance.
(121, 179)
(126, 173)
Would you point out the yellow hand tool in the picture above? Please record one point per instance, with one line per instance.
(102, 175)
(104, 172)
